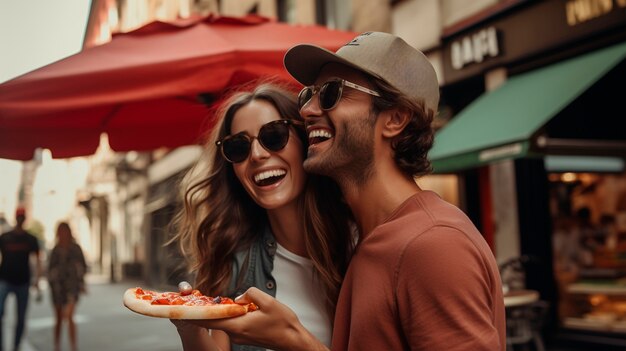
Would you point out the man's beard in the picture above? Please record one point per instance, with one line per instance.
(350, 160)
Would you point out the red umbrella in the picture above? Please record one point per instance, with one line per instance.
(142, 88)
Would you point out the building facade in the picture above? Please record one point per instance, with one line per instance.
(535, 142)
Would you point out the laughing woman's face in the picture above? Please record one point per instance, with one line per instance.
(273, 179)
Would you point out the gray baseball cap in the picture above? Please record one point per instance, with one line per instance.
(381, 55)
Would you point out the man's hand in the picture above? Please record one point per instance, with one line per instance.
(273, 325)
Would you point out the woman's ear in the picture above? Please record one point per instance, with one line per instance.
(394, 122)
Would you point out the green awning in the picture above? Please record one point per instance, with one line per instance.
(499, 124)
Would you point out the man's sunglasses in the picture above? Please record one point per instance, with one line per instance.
(329, 93)
(273, 136)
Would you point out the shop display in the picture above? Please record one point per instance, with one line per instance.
(590, 250)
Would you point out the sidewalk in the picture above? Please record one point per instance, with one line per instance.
(102, 322)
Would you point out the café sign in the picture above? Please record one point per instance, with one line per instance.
(530, 30)
(474, 48)
(581, 11)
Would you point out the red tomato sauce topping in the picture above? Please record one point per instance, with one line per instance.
(173, 298)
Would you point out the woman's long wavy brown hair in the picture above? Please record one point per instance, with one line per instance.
(219, 218)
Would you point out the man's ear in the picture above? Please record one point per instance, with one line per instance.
(394, 122)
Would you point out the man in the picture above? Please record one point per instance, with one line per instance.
(422, 276)
(16, 247)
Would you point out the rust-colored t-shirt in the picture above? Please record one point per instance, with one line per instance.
(425, 279)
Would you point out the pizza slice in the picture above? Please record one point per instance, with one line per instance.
(176, 305)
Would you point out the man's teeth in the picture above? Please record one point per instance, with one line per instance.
(320, 133)
(268, 174)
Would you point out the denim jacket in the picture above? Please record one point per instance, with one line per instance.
(253, 267)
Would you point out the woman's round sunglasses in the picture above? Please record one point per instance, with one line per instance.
(330, 93)
(273, 136)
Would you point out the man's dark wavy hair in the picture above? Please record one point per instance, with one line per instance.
(412, 145)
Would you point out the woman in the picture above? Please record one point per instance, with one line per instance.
(253, 217)
(66, 270)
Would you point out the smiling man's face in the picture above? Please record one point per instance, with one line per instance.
(341, 140)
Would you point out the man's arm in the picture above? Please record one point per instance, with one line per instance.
(273, 325)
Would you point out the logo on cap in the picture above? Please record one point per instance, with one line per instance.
(355, 41)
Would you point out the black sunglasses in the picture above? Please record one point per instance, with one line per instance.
(273, 136)
(330, 93)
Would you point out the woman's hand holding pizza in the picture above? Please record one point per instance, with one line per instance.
(273, 325)
(184, 305)
(254, 318)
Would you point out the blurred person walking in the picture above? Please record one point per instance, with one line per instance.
(16, 248)
(66, 272)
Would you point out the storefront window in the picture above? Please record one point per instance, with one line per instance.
(589, 243)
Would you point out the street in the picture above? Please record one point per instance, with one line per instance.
(102, 321)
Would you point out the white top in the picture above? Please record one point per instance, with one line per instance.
(296, 288)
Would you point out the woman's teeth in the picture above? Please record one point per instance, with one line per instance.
(269, 177)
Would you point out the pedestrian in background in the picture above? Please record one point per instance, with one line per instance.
(66, 272)
(16, 247)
